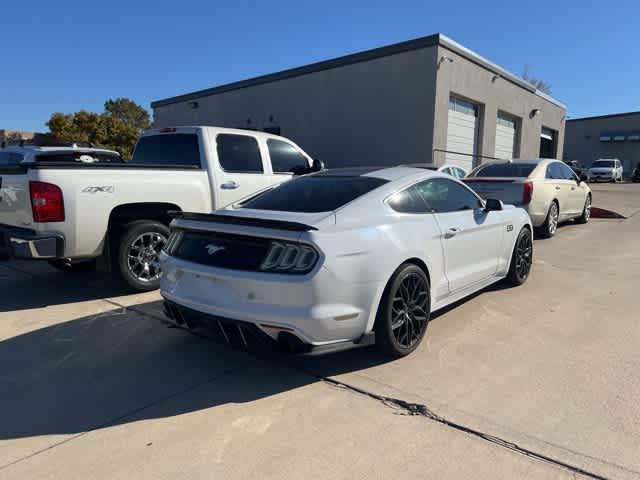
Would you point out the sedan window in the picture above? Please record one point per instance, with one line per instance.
(505, 170)
(443, 196)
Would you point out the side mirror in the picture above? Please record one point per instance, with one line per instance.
(317, 165)
(491, 204)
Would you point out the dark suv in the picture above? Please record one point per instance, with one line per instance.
(635, 176)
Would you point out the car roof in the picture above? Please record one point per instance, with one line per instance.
(385, 173)
(39, 149)
(192, 128)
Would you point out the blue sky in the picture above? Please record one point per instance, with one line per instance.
(67, 56)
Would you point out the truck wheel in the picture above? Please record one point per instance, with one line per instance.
(138, 253)
(68, 266)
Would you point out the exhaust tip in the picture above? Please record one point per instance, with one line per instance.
(290, 343)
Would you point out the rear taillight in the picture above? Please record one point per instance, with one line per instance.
(527, 192)
(47, 203)
(289, 257)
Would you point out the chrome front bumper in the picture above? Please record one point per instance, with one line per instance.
(27, 244)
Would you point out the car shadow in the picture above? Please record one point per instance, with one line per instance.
(36, 285)
(123, 366)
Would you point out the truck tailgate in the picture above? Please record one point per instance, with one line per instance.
(509, 190)
(15, 201)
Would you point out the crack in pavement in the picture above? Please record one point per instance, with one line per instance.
(409, 408)
(413, 409)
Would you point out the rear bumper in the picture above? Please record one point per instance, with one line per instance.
(24, 243)
(320, 309)
(247, 335)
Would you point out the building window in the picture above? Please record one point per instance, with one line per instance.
(548, 143)
(605, 138)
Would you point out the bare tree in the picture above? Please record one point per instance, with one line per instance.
(540, 84)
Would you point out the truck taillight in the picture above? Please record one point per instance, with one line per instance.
(527, 192)
(47, 203)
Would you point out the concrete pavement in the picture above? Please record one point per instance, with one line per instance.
(95, 386)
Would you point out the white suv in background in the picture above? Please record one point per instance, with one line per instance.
(605, 170)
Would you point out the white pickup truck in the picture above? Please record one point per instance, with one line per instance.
(78, 208)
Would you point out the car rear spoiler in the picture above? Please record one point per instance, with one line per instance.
(246, 221)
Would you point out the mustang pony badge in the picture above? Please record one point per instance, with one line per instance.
(212, 249)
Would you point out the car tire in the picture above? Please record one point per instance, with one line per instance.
(404, 311)
(137, 254)
(73, 267)
(586, 211)
(521, 258)
(550, 225)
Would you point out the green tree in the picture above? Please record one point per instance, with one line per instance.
(118, 127)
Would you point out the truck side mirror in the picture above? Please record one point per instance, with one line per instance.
(317, 165)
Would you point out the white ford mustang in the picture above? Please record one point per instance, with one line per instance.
(341, 258)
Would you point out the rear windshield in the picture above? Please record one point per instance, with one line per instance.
(180, 149)
(506, 170)
(603, 164)
(79, 157)
(316, 193)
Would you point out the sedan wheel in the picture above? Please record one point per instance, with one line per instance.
(586, 212)
(404, 312)
(551, 223)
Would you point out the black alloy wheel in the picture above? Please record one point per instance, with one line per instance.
(404, 313)
(522, 258)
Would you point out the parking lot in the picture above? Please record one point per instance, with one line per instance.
(540, 381)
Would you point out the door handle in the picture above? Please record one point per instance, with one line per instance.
(573, 188)
(557, 187)
(451, 232)
(231, 185)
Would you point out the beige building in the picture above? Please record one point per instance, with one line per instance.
(15, 136)
(416, 101)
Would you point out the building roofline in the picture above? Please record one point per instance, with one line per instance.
(611, 115)
(410, 45)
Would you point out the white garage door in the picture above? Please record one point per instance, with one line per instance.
(462, 133)
(506, 136)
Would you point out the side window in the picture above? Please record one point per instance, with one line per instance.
(239, 153)
(443, 196)
(407, 201)
(446, 170)
(554, 171)
(285, 158)
(458, 172)
(549, 173)
(567, 172)
(10, 158)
